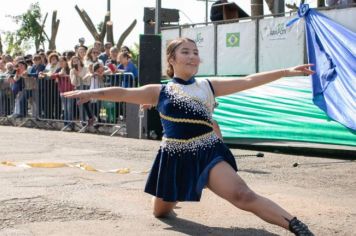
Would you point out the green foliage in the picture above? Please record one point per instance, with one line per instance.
(30, 28)
(14, 46)
(135, 53)
(100, 26)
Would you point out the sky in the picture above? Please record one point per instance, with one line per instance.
(123, 13)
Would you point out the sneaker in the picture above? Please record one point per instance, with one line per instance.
(299, 228)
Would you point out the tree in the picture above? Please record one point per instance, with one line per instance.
(105, 27)
(14, 46)
(30, 29)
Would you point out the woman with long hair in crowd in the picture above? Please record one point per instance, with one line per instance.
(79, 77)
(64, 85)
(92, 57)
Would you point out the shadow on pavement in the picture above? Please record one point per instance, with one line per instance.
(192, 228)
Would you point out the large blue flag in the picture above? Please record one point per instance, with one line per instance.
(332, 50)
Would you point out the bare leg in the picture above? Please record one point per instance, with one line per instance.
(226, 183)
(216, 129)
(162, 208)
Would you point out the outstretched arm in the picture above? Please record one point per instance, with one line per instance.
(147, 94)
(229, 86)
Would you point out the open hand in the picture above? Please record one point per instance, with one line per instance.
(302, 70)
(83, 95)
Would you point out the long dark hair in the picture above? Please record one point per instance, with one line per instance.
(67, 69)
(171, 52)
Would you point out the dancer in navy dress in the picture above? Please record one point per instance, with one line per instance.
(191, 155)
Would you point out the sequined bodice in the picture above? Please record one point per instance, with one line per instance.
(186, 115)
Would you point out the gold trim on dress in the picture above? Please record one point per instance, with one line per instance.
(183, 120)
(187, 140)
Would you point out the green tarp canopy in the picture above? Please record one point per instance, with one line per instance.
(283, 111)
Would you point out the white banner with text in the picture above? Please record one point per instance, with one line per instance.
(280, 46)
(204, 38)
(236, 54)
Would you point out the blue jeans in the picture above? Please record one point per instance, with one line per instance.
(68, 105)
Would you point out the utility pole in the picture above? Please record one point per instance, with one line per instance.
(109, 10)
(158, 17)
(256, 7)
(206, 9)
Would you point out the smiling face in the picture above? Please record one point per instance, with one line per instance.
(185, 60)
(62, 63)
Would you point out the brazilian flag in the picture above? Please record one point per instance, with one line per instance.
(232, 40)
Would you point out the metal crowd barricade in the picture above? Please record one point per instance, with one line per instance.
(112, 114)
(7, 99)
(48, 102)
(16, 100)
(41, 102)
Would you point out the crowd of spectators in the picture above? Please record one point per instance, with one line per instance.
(34, 84)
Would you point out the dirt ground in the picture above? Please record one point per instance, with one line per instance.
(71, 200)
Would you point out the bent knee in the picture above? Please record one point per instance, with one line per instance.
(244, 196)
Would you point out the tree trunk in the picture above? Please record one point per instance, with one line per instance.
(88, 23)
(103, 31)
(275, 6)
(55, 25)
(109, 32)
(270, 4)
(256, 7)
(38, 39)
(125, 34)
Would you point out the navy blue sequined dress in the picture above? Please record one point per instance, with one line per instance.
(189, 147)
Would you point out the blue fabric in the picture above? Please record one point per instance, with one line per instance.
(127, 80)
(332, 50)
(184, 82)
(180, 174)
(130, 68)
(36, 69)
